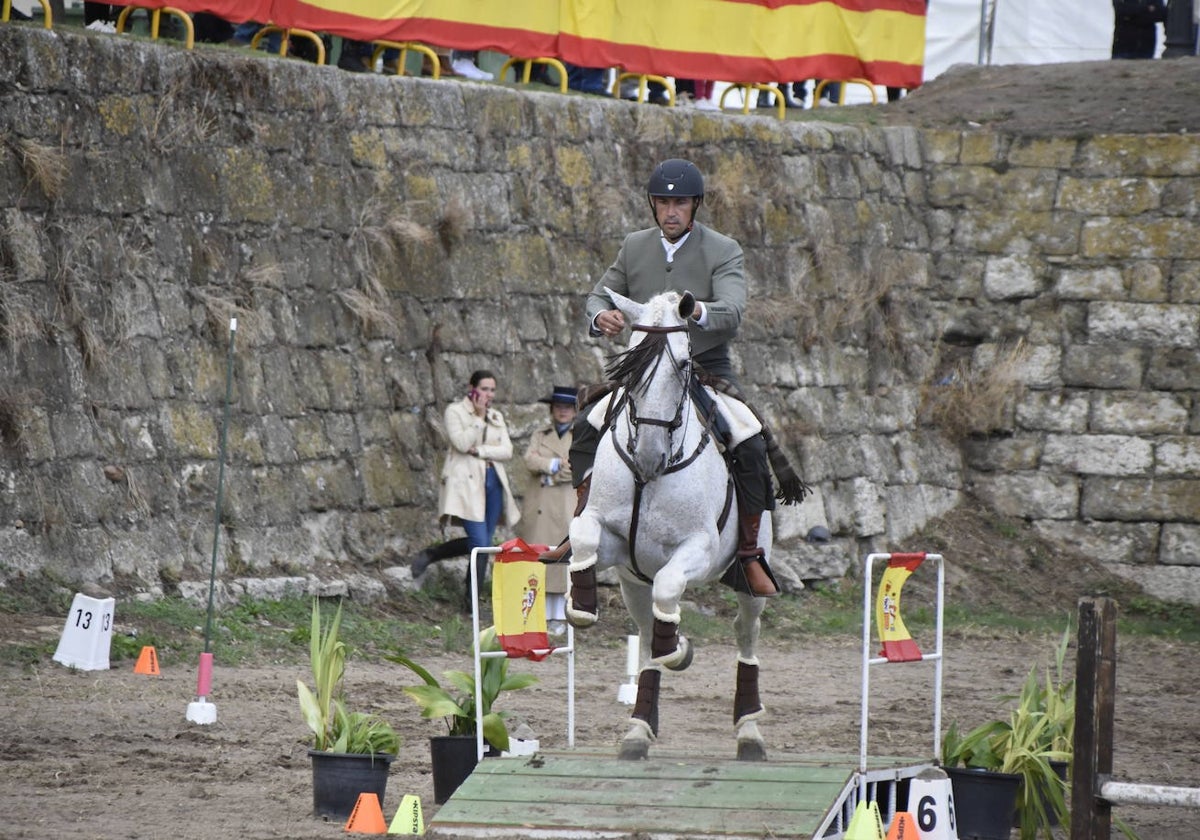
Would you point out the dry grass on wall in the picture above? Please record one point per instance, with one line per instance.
(44, 166)
(977, 398)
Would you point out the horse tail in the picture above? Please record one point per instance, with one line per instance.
(792, 488)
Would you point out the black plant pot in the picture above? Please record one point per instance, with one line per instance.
(452, 758)
(339, 778)
(983, 802)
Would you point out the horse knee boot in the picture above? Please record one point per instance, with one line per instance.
(754, 561)
(562, 552)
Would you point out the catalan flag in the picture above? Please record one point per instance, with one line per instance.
(882, 41)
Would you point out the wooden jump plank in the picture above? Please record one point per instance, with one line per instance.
(576, 793)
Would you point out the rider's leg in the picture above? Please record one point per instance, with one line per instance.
(752, 482)
(436, 553)
(584, 440)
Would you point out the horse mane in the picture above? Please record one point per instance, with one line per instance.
(629, 367)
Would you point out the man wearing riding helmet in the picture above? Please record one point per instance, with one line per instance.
(680, 254)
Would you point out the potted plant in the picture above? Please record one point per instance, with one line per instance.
(454, 755)
(1021, 759)
(351, 751)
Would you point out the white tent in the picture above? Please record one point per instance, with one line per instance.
(1016, 32)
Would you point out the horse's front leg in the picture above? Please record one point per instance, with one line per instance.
(668, 647)
(585, 544)
(747, 707)
(643, 723)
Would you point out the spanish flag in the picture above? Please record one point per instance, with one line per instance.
(882, 41)
(519, 601)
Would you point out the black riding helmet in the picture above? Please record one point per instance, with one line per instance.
(676, 177)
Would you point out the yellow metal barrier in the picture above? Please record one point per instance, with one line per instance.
(156, 18)
(288, 34)
(47, 15)
(404, 46)
(842, 91)
(747, 88)
(643, 80)
(523, 77)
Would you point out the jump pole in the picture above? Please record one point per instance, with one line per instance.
(200, 710)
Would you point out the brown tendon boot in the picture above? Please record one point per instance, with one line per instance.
(746, 703)
(665, 640)
(752, 558)
(562, 552)
(645, 708)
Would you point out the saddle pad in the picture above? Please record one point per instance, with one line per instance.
(742, 423)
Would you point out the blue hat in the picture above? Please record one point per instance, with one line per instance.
(562, 394)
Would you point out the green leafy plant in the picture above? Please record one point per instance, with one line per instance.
(1037, 734)
(455, 701)
(334, 729)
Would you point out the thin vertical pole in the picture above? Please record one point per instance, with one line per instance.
(212, 575)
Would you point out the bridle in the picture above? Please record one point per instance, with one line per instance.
(633, 421)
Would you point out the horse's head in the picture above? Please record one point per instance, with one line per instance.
(656, 393)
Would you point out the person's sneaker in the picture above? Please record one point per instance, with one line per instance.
(466, 68)
(103, 26)
(707, 105)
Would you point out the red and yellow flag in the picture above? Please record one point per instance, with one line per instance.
(519, 601)
(882, 41)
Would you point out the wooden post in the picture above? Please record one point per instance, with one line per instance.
(1095, 696)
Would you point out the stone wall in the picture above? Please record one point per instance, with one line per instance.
(934, 313)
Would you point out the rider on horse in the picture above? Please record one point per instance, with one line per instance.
(683, 255)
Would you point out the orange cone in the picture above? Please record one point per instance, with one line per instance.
(147, 662)
(367, 816)
(904, 827)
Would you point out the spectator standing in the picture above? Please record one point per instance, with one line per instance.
(1135, 27)
(550, 502)
(475, 491)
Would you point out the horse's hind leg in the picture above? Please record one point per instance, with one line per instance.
(747, 707)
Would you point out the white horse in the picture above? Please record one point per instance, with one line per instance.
(663, 512)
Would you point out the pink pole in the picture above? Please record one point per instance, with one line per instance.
(204, 679)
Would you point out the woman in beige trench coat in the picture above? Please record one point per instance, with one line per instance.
(550, 502)
(475, 490)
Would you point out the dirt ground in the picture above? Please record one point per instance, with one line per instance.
(109, 755)
(1079, 98)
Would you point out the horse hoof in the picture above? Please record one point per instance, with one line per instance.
(633, 751)
(579, 619)
(678, 659)
(751, 751)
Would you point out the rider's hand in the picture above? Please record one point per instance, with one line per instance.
(610, 322)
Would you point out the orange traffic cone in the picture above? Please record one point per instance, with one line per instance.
(367, 816)
(147, 662)
(904, 827)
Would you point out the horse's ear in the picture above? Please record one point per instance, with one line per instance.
(687, 305)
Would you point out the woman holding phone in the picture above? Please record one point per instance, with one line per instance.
(475, 490)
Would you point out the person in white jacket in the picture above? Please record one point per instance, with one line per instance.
(475, 490)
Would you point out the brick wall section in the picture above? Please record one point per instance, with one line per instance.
(471, 219)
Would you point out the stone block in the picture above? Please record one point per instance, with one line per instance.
(1177, 456)
(1137, 500)
(1104, 365)
(1156, 324)
(1142, 413)
(1106, 542)
(1180, 544)
(1099, 454)
(1027, 494)
(1175, 584)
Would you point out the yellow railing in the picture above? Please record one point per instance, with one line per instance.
(821, 85)
(288, 34)
(523, 77)
(404, 47)
(748, 88)
(47, 15)
(156, 18)
(643, 80)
